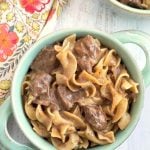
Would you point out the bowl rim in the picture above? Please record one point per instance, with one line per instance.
(130, 9)
(34, 137)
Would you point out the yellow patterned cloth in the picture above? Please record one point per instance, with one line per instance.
(22, 22)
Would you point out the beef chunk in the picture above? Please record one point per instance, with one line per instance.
(40, 82)
(53, 100)
(48, 100)
(39, 88)
(87, 51)
(95, 116)
(46, 61)
(67, 98)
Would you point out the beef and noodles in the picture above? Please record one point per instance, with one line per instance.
(140, 4)
(77, 94)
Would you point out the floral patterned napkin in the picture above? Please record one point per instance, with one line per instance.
(21, 24)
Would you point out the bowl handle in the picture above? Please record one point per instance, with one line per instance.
(143, 40)
(6, 142)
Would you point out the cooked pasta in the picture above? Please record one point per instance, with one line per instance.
(78, 93)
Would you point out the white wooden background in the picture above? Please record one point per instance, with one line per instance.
(102, 15)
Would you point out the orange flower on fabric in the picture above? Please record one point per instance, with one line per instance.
(34, 5)
(8, 42)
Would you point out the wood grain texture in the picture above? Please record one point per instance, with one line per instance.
(100, 14)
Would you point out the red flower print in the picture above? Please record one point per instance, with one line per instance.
(34, 5)
(8, 41)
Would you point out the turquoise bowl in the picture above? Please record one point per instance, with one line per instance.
(130, 9)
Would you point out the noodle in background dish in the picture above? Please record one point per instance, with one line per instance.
(78, 94)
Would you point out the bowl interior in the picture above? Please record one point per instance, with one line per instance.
(30, 55)
(130, 9)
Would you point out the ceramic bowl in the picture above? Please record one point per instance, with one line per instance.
(130, 9)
